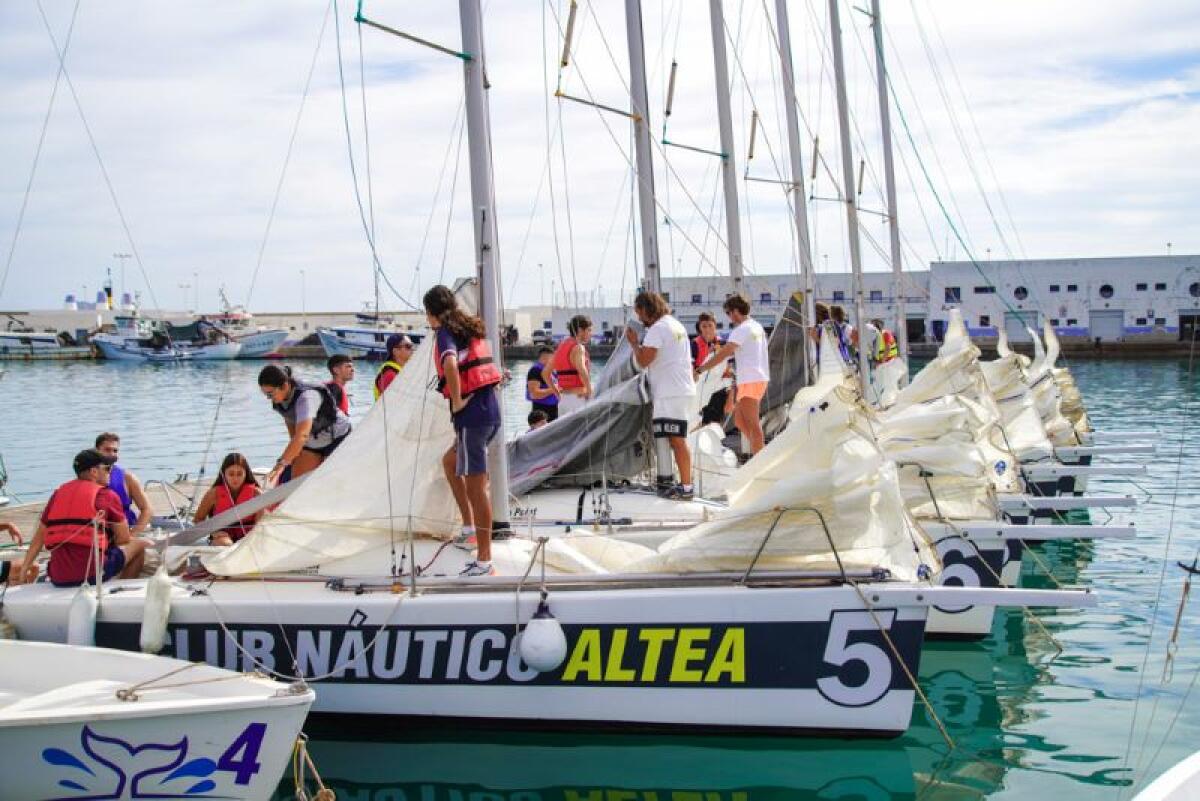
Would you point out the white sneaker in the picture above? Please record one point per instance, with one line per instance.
(476, 568)
(466, 540)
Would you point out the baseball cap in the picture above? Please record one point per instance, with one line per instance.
(87, 459)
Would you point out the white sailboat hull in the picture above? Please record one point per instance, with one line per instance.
(65, 732)
(804, 658)
(120, 349)
(219, 351)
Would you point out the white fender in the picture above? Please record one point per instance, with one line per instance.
(156, 611)
(81, 617)
(543, 643)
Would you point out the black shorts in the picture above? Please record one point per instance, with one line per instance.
(325, 450)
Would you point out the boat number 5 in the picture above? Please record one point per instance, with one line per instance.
(866, 657)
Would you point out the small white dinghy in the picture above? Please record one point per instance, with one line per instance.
(81, 722)
(1180, 783)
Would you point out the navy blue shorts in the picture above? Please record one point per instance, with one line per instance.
(470, 449)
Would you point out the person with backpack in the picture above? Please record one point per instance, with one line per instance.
(315, 424)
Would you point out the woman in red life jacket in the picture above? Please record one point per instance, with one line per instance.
(235, 485)
(84, 517)
(573, 366)
(467, 377)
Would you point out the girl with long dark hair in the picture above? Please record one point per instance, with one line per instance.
(235, 485)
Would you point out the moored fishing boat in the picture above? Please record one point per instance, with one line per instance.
(257, 342)
(138, 339)
(96, 723)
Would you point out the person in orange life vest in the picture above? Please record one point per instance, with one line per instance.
(573, 366)
(399, 351)
(541, 385)
(467, 376)
(126, 485)
(235, 485)
(315, 425)
(67, 528)
(341, 373)
(748, 342)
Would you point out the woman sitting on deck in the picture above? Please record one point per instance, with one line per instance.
(235, 485)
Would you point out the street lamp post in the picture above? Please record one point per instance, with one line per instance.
(185, 288)
(303, 304)
(121, 257)
(541, 286)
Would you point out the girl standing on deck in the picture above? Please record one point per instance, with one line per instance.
(467, 377)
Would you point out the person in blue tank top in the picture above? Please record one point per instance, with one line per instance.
(126, 485)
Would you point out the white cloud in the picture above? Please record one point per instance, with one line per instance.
(1088, 113)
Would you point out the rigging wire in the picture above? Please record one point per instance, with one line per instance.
(362, 213)
(287, 158)
(112, 192)
(37, 153)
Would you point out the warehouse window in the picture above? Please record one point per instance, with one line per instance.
(985, 290)
(1106, 291)
(1142, 287)
(1159, 287)
(877, 296)
(1054, 287)
(1140, 321)
(1020, 293)
(984, 321)
(1194, 290)
(764, 297)
(697, 298)
(839, 296)
(1160, 320)
(1072, 287)
(954, 294)
(1054, 321)
(1072, 321)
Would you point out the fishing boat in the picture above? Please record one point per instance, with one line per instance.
(257, 342)
(360, 342)
(30, 345)
(78, 722)
(202, 340)
(139, 339)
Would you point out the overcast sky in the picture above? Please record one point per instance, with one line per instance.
(1048, 129)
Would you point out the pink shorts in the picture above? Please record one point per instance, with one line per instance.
(753, 389)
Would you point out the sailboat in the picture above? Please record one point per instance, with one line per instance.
(800, 607)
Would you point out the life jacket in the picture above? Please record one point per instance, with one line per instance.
(116, 483)
(225, 502)
(886, 348)
(549, 400)
(703, 350)
(340, 397)
(568, 376)
(476, 368)
(326, 414)
(388, 365)
(70, 514)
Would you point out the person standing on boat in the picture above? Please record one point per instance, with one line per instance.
(665, 356)
(400, 350)
(235, 485)
(704, 344)
(82, 518)
(341, 373)
(748, 345)
(467, 377)
(315, 424)
(573, 366)
(126, 485)
(541, 385)
(825, 317)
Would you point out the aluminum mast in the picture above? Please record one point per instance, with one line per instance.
(483, 207)
(889, 174)
(728, 163)
(839, 74)
(799, 201)
(647, 213)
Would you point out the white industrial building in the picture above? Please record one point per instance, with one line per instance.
(1135, 298)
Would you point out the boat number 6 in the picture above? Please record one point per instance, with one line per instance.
(840, 653)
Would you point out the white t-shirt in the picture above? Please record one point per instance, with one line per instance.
(670, 373)
(751, 355)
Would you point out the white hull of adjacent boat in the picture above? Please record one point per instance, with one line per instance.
(336, 345)
(120, 349)
(703, 653)
(218, 351)
(65, 733)
(1180, 783)
(261, 343)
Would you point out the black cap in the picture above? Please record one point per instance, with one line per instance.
(87, 459)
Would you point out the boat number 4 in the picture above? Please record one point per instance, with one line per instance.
(241, 757)
(847, 685)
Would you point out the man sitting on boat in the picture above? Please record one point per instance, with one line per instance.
(82, 519)
(126, 485)
(541, 385)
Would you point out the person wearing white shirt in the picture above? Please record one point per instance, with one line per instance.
(666, 355)
(747, 343)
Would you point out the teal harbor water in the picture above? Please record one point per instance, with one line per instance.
(1096, 721)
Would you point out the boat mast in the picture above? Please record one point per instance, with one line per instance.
(728, 163)
(889, 173)
(839, 75)
(483, 205)
(647, 214)
(799, 198)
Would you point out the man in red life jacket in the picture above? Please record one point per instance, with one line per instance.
(341, 373)
(82, 519)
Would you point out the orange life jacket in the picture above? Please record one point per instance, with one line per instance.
(568, 376)
(225, 502)
(703, 350)
(476, 368)
(70, 514)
